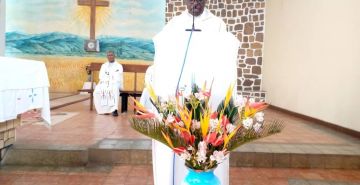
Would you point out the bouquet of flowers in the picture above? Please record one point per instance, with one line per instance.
(199, 135)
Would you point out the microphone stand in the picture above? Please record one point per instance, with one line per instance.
(193, 22)
(181, 72)
(187, 48)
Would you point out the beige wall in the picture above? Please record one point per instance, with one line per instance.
(2, 27)
(312, 58)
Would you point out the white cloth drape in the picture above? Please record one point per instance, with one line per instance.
(24, 85)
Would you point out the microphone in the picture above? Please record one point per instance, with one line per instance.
(193, 23)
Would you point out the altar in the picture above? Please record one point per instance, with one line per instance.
(24, 85)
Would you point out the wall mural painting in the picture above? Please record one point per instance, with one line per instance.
(69, 34)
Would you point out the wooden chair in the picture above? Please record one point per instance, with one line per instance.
(93, 68)
(131, 68)
(136, 69)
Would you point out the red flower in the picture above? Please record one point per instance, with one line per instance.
(214, 115)
(259, 105)
(224, 121)
(179, 150)
(207, 94)
(211, 137)
(218, 141)
(190, 139)
(177, 119)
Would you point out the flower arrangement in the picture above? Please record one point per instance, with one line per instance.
(199, 135)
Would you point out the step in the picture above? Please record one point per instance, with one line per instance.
(125, 151)
(45, 156)
(323, 156)
(67, 100)
(128, 151)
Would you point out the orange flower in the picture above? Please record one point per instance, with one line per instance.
(204, 122)
(168, 140)
(259, 106)
(185, 116)
(138, 106)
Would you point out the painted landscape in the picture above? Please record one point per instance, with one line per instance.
(65, 44)
(68, 74)
(55, 31)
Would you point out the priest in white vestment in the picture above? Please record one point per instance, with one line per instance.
(205, 56)
(107, 91)
(145, 96)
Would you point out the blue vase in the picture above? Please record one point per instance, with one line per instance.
(201, 178)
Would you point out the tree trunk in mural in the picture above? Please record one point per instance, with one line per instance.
(92, 4)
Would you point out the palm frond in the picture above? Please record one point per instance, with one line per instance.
(244, 136)
(231, 111)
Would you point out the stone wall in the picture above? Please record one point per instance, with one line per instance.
(246, 20)
(7, 134)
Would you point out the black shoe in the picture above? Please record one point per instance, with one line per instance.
(115, 113)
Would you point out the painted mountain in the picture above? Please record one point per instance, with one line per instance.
(63, 44)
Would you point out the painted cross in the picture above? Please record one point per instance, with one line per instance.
(32, 95)
(93, 4)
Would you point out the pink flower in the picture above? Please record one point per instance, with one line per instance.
(195, 125)
(218, 156)
(201, 153)
(200, 96)
(257, 127)
(259, 116)
(213, 124)
(202, 146)
(247, 123)
(170, 118)
(185, 155)
(230, 128)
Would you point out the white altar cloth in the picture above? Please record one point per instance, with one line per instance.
(24, 85)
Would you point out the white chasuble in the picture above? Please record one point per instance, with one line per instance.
(211, 57)
(106, 94)
(206, 22)
(145, 96)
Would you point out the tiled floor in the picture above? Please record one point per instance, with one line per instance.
(84, 129)
(87, 128)
(142, 175)
(302, 131)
